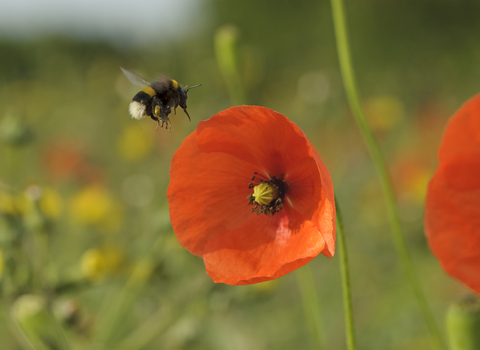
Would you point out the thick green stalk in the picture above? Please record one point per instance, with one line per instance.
(147, 331)
(226, 39)
(347, 292)
(35, 325)
(463, 323)
(311, 305)
(387, 187)
(117, 306)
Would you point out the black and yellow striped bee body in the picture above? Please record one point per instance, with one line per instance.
(157, 99)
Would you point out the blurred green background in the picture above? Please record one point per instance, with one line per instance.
(84, 221)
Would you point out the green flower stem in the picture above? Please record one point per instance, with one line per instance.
(311, 306)
(347, 292)
(374, 149)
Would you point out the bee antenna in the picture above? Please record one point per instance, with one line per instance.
(186, 90)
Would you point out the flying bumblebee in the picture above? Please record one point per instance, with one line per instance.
(157, 99)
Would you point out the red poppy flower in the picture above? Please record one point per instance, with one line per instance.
(250, 195)
(452, 216)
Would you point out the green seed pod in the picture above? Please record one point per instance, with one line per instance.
(463, 323)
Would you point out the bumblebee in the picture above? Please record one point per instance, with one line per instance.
(157, 99)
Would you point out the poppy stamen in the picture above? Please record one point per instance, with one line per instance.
(268, 195)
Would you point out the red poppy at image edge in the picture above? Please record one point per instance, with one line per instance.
(452, 213)
(209, 195)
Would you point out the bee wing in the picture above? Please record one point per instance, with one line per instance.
(135, 79)
(161, 85)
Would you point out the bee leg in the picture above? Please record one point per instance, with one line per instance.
(154, 118)
(166, 110)
(168, 126)
(166, 121)
(157, 113)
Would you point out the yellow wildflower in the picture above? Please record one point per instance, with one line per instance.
(94, 205)
(98, 263)
(135, 143)
(51, 203)
(142, 270)
(384, 112)
(8, 203)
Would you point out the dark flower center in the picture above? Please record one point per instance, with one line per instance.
(268, 195)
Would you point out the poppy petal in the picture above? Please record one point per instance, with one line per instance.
(452, 213)
(309, 198)
(261, 250)
(452, 218)
(269, 140)
(196, 194)
(462, 133)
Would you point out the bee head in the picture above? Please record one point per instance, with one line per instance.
(183, 95)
